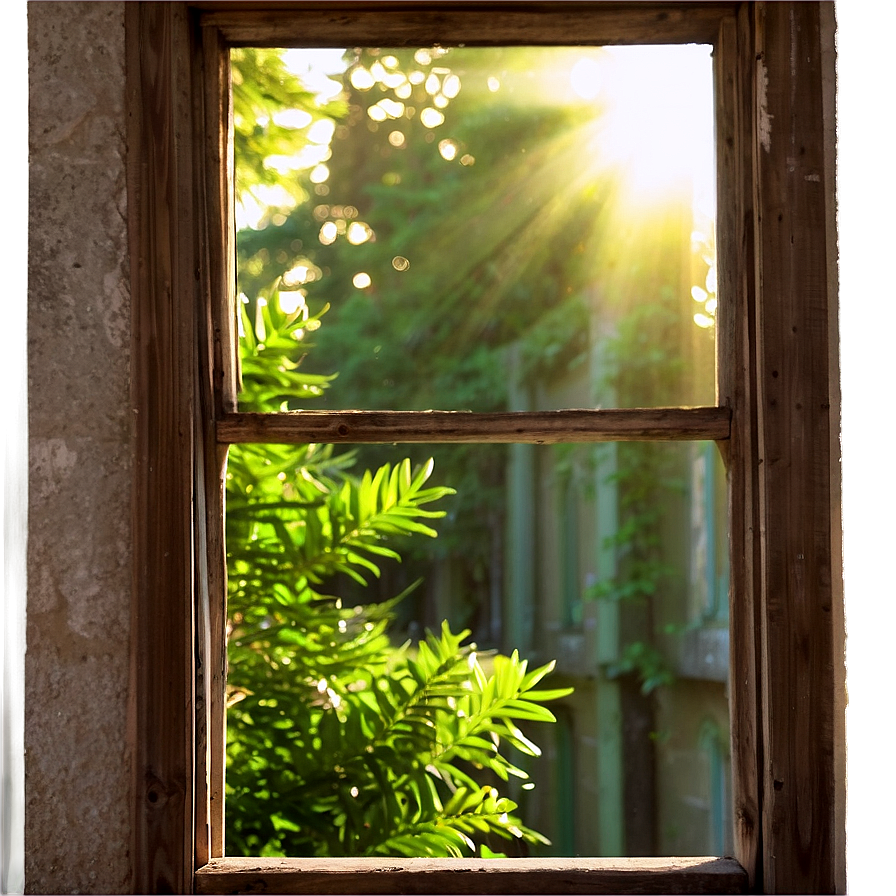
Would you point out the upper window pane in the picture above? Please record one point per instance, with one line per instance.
(488, 229)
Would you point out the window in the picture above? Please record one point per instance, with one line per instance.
(775, 417)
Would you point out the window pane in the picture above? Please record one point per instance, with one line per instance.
(477, 228)
(609, 559)
(500, 229)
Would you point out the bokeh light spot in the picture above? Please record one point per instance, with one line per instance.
(328, 233)
(291, 300)
(448, 150)
(451, 86)
(358, 232)
(361, 78)
(431, 118)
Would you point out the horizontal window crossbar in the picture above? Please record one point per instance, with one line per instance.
(573, 875)
(478, 24)
(536, 427)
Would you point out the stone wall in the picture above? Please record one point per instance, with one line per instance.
(77, 836)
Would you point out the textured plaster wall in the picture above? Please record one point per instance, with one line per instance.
(80, 454)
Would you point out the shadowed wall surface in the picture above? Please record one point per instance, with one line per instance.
(80, 454)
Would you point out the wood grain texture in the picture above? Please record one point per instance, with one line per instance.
(829, 92)
(217, 392)
(218, 201)
(468, 876)
(471, 24)
(793, 389)
(538, 427)
(734, 63)
(162, 241)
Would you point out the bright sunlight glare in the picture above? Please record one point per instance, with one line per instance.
(658, 123)
(315, 66)
(653, 119)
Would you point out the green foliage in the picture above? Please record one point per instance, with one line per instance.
(272, 351)
(645, 661)
(339, 743)
(383, 756)
(264, 89)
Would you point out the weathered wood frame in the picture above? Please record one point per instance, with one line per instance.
(777, 421)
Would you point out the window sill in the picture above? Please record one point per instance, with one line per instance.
(572, 875)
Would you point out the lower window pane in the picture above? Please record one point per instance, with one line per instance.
(609, 560)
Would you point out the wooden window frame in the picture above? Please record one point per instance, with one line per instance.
(776, 420)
